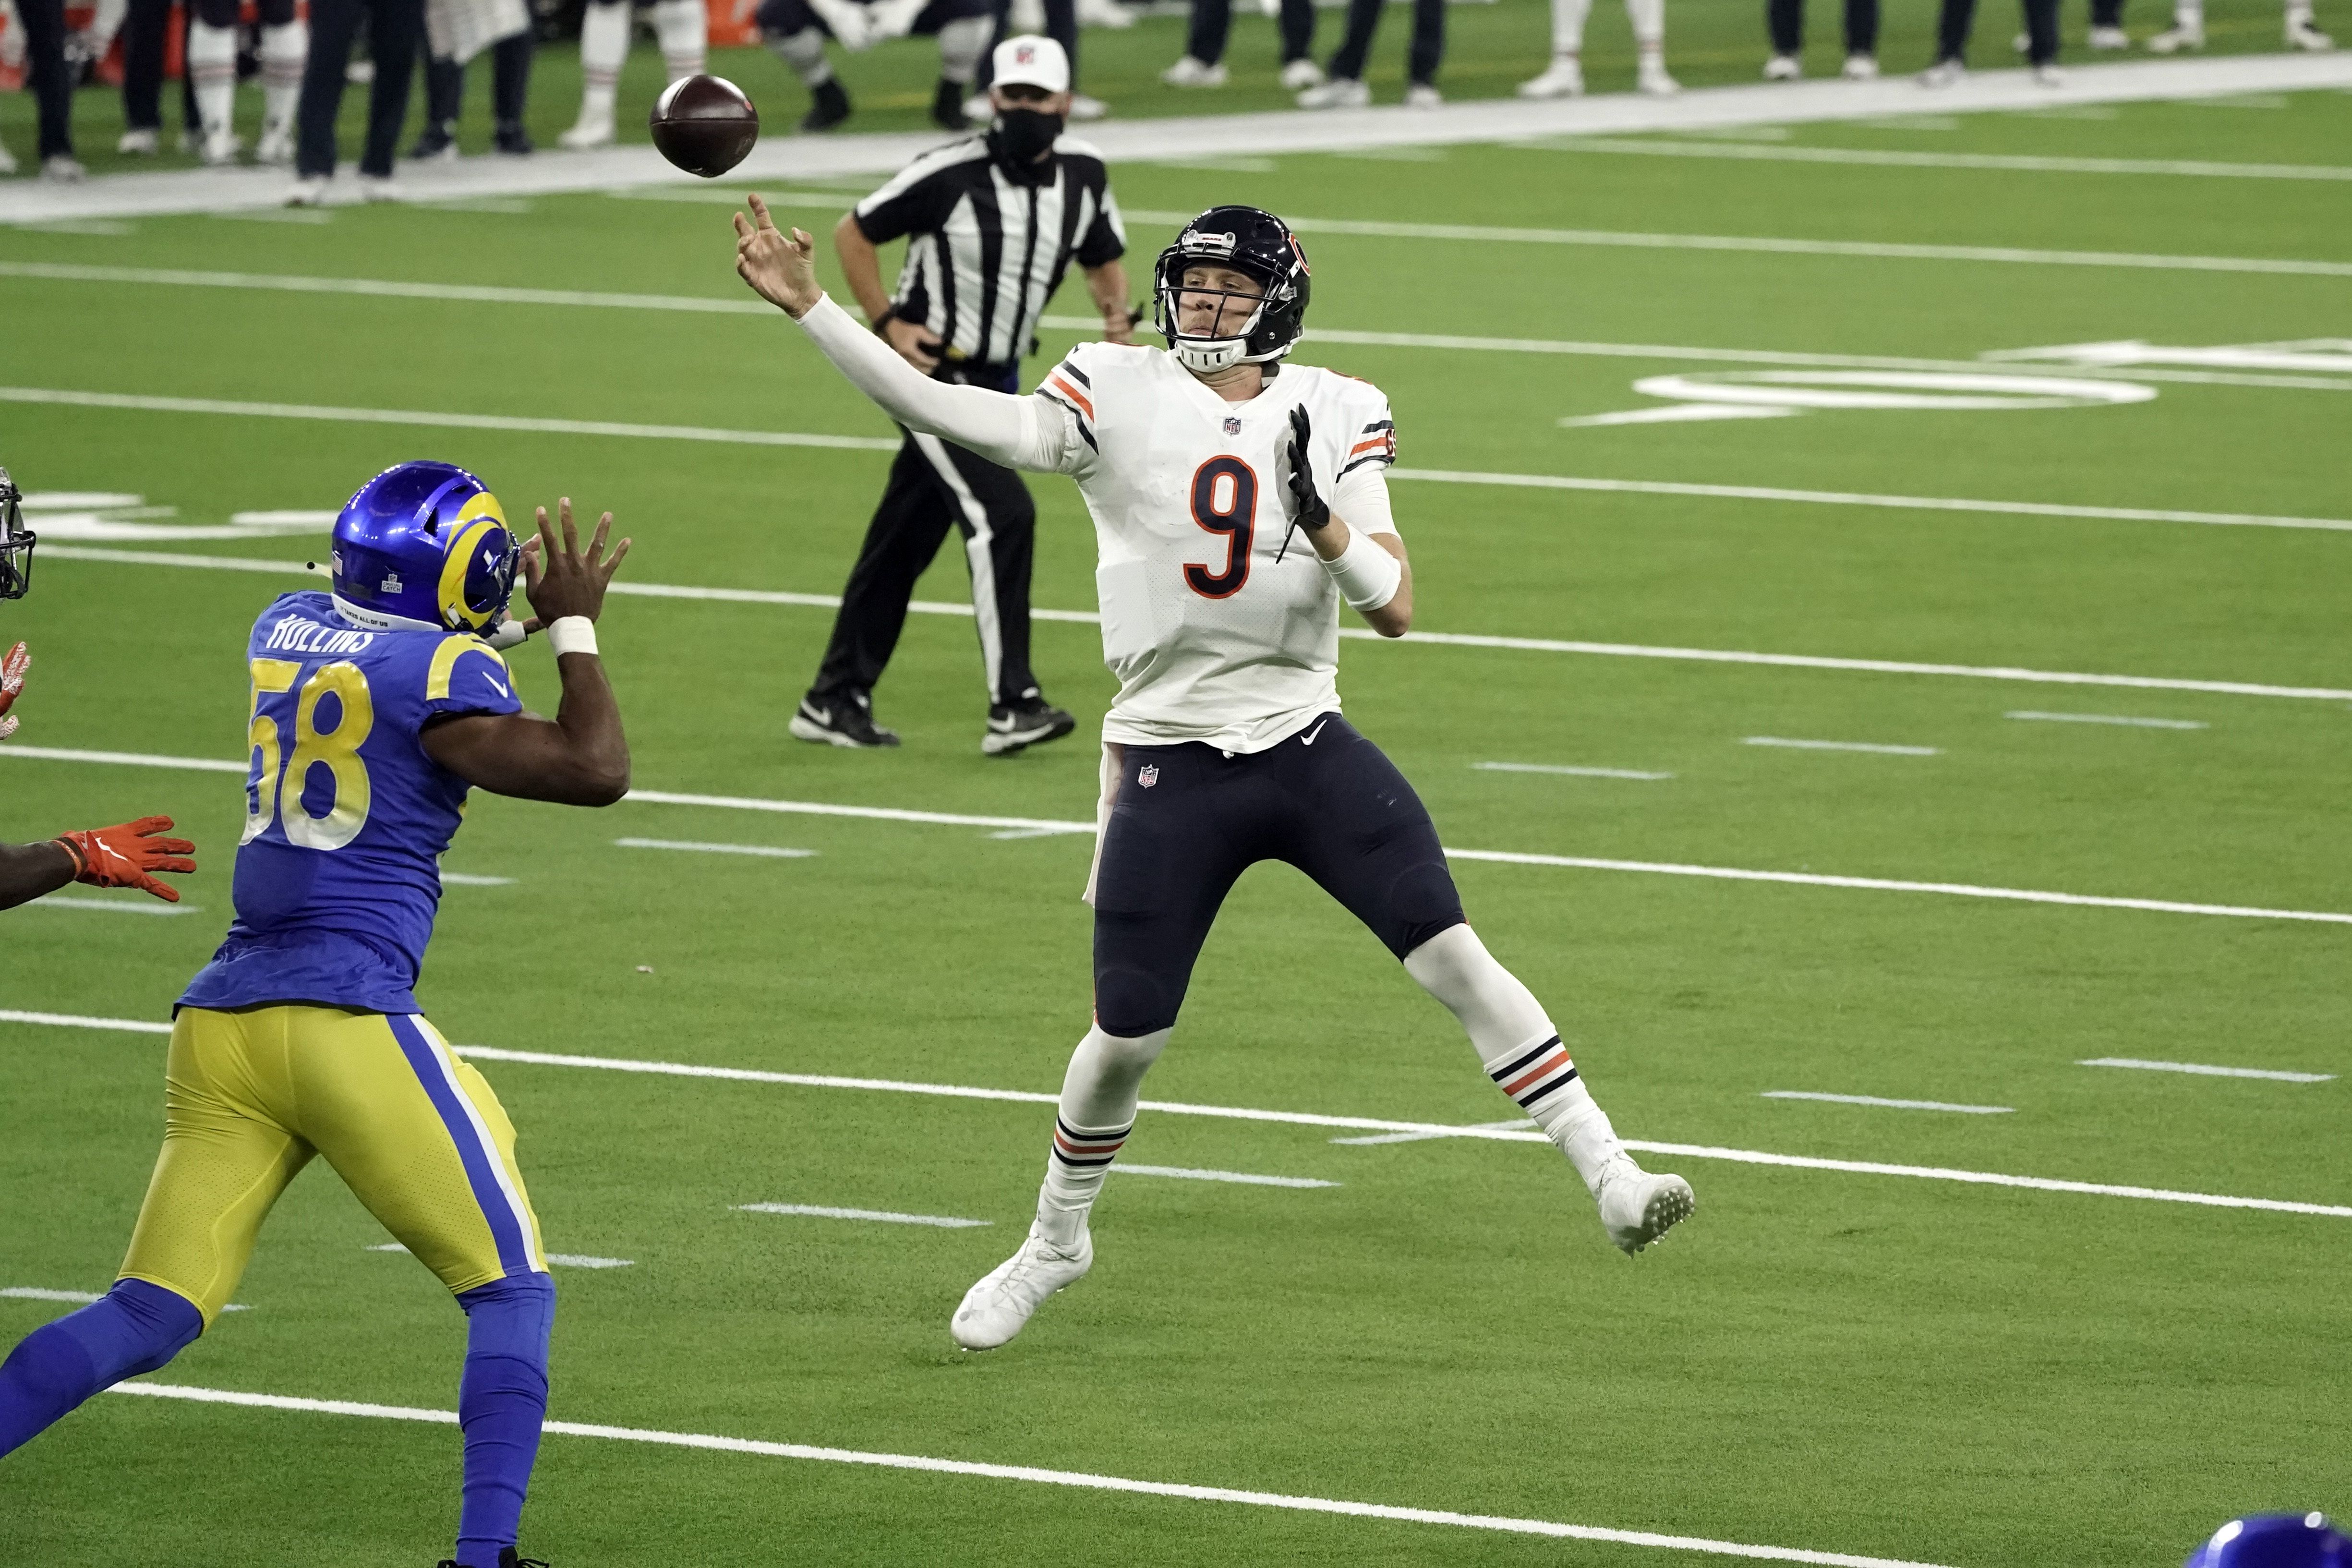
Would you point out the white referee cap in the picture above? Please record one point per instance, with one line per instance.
(1031, 61)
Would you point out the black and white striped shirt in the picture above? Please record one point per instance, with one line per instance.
(987, 245)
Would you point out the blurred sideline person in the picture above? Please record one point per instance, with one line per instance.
(302, 1036)
(1955, 18)
(211, 76)
(1225, 746)
(1786, 21)
(444, 99)
(991, 224)
(395, 32)
(1203, 63)
(681, 27)
(1345, 88)
(121, 857)
(52, 83)
(795, 32)
(2187, 31)
(1565, 78)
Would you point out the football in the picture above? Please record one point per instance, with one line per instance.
(704, 124)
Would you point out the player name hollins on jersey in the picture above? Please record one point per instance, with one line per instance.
(294, 634)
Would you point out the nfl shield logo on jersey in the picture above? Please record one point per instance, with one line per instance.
(1233, 427)
(1147, 774)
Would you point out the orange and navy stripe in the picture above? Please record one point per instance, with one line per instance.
(1088, 1151)
(1068, 385)
(1534, 1073)
(1375, 444)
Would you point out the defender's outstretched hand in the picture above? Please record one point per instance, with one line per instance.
(558, 579)
(11, 681)
(782, 270)
(125, 856)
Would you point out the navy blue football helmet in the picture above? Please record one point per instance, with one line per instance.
(16, 541)
(1251, 242)
(2275, 1540)
(424, 546)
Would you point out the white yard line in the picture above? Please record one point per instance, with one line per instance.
(1572, 772)
(1185, 1173)
(1070, 1479)
(1500, 857)
(941, 1222)
(1839, 746)
(83, 1021)
(560, 1259)
(1506, 1132)
(78, 1298)
(769, 850)
(1904, 159)
(1889, 1104)
(465, 879)
(2209, 1071)
(1422, 1137)
(150, 906)
(2111, 719)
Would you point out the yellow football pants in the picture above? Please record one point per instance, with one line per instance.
(414, 1132)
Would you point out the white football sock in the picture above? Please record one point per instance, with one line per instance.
(804, 52)
(604, 47)
(1568, 25)
(1517, 1045)
(960, 42)
(1649, 19)
(106, 21)
(284, 47)
(1096, 1114)
(683, 29)
(212, 67)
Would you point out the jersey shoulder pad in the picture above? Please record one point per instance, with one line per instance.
(467, 675)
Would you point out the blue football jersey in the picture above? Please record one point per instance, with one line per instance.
(338, 874)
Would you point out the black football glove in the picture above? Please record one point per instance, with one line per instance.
(1308, 508)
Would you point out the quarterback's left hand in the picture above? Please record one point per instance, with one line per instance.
(11, 681)
(125, 856)
(1308, 509)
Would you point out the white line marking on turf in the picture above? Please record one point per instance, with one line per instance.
(467, 879)
(1889, 1104)
(2018, 163)
(560, 1259)
(1422, 1137)
(83, 1021)
(1839, 746)
(1448, 639)
(1072, 1479)
(2209, 1071)
(1573, 772)
(80, 1298)
(125, 759)
(769, 850)
(2111, 719)
(1500, 857)
(1184, 1172)
(151, 906)
(942, 1221)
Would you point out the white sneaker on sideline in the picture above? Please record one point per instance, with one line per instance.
(1784, 67)
(1636, 1207)
(1085, 108)
(1652, 79)
(1339, 92)
(1860, 68)
(2048, 76)
(139, 144)
(978, 109)
(587, 134)
(2022, 43)
(1000, 1304)
(309, 191)
(2108, 39)
(220, 149)
(1190, 73)
(1104, 13)
(1942, 73)
(63, 168)
(2301, 35)
(8, 160)
(1421, 95)
(2174, 39)
(382, 188)
(1301, 74)
(275, 146)
(1564, 80)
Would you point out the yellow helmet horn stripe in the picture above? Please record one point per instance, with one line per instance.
(479, 515)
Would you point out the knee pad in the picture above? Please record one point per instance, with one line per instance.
(1130, 1002)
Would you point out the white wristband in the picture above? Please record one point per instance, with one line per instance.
(1367, 575)
(572, 634)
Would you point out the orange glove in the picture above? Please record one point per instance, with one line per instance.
(11, 681)
(122, 856)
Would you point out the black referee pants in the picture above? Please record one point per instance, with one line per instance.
(1786, 19)
(396, 29)
(1428, 40)
(1954, 20)
(935, 486)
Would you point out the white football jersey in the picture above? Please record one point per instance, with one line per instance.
(1210, 638)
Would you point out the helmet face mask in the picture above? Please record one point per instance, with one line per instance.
(1256, 245)
(16, 541)
(424, 546)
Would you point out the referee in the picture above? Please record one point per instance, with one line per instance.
(991, 223)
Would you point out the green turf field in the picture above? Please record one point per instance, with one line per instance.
(1886, 1366)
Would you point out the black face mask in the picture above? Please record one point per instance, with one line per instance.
(1023, 133)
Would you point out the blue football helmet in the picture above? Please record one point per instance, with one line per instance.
(423, 547)
(2275, 1540)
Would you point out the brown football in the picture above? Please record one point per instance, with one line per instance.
(705, 125)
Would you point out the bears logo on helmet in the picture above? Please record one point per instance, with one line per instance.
(1251, 242)
(16, 541)
(424, 546)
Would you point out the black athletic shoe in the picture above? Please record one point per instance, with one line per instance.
(947, 106)
(840, 721)
(507, 1559)
(434, 141)
(1030, 722)
(830, 109)
(513, 140)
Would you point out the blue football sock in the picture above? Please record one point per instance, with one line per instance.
(134, 1328)
(501, 1401)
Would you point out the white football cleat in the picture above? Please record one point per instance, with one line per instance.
(63, 168)
(1652, 79)
(139, 143)
(2048, 76)
(275, 146)
(1301, 74)
(1860, 68)
(2173, 40)
(589, 132)
(220, 149)
(310, 191)
(1339, 92)
(1783, 67)
(1190, 73)
(1564, 80)
(382, 188)
(979, 109)
(8, 160)
(2022, 43)
(1421, 95)
(1942, 73)
(2105, 38)
(1084, 108)
(1104, 13)
(1636, 1207)
(2301, 35)
(1001, 1305)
